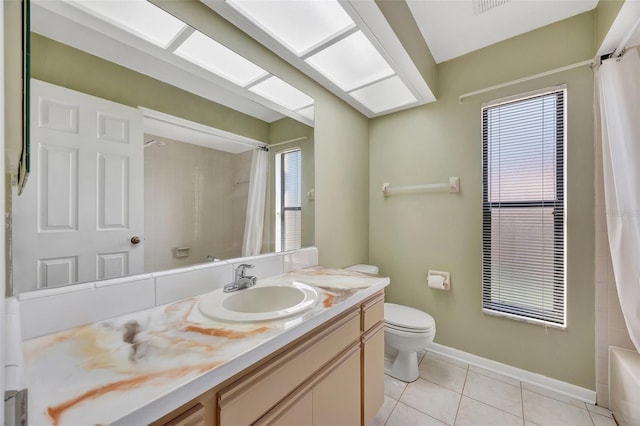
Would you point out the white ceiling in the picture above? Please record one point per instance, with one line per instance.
(451, 28)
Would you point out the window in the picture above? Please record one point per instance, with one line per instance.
(523, 272)
(288, 200)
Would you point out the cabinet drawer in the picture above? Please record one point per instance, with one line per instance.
(372, 311)
(244, 401)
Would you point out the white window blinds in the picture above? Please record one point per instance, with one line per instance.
(523, 272)
(291, 200)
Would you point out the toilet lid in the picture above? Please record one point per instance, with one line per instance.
(400, 316)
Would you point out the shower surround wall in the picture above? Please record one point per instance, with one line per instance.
(194, 197)
(611, 329)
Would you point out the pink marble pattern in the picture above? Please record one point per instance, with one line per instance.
(98, 373)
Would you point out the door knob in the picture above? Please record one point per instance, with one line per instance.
(135, 240)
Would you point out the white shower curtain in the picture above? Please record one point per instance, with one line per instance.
(254, 223)
(619, 92)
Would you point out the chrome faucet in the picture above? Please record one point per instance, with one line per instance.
(242, 281)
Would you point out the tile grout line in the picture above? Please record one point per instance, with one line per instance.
(522, 402)
(420, 409)
(491, 406)
(590, 417)
(461, 394)
(390, 412)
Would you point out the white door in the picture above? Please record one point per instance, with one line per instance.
(83, 202)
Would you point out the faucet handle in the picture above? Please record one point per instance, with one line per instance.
(241, 268)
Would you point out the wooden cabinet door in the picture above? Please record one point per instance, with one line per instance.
(372, 372)
(301, 413)
(192, 417)
(297, 410)
(336, 397)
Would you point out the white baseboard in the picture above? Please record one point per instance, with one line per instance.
(564, 388)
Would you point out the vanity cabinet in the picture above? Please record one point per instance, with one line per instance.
(332, 375)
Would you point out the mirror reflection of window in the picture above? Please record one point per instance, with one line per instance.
(288, 200)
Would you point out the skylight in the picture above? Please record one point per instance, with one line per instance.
(384, 95)
(211, 55)
(138, 17)
(299, 25)
(282, 93)
(351, 62)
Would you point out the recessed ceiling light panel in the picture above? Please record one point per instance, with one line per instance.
(351, 62)
(299, 25)
(385, 95)
(138, 17)
(282, 93)
(211, 55)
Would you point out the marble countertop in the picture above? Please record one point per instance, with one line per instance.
(135, 368)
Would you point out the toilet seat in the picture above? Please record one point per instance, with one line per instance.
(392, 327)
(404, 318)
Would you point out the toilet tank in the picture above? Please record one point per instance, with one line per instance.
(367, 269)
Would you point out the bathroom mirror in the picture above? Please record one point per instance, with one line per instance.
(200, 129)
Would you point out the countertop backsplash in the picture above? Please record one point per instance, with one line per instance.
(48, 311)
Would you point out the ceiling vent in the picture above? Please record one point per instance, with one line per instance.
(482, 6)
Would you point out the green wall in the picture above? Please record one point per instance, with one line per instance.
(410, 234)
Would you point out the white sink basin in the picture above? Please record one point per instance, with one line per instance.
(267, 300)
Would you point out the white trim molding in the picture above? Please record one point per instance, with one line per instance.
(558, 386)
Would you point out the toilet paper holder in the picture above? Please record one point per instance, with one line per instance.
(440, 280)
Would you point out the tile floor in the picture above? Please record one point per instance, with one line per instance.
(450, 392)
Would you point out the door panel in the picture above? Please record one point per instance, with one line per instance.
(57, 116)
(113, 265)
(113, 129)
(60, 271)
(58, 203)
(85, 191)
(113, 191)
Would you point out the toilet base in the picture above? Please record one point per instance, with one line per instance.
(403, 366)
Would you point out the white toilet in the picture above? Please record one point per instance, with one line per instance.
(406, 331)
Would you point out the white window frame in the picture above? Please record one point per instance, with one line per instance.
(279, 188)
(489, 306)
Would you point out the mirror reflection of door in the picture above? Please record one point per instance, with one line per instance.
(288, 179)
(82, 208)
